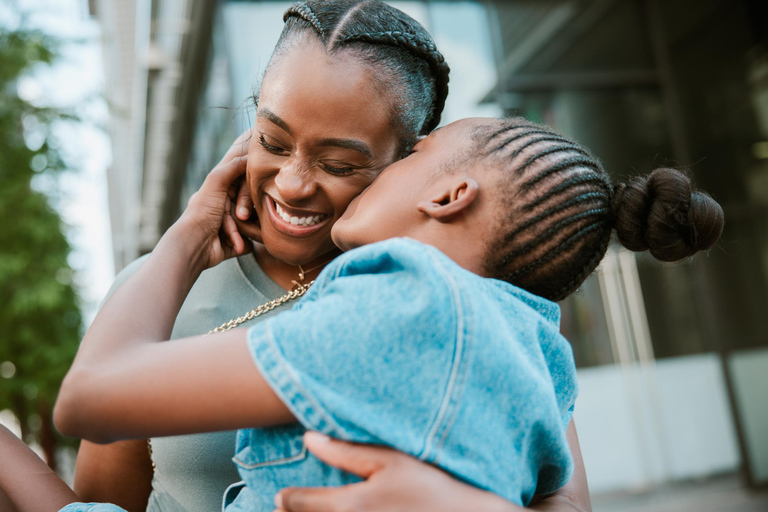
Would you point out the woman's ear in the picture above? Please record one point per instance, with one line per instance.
(456, 200)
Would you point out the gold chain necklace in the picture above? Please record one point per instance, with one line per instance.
(299, 289)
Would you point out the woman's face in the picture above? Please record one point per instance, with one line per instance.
(321, 136)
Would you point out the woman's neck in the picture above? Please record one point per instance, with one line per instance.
(286, 274)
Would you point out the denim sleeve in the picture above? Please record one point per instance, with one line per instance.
(368, 355)
(567, 416)
(91, 507)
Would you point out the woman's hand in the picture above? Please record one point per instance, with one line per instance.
(244, 203)
(215, 215)
(209, 221)
(245, 215)
(394, 482)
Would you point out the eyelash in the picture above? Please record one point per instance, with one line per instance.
(276, 150)
(337, 171)
(269, 147)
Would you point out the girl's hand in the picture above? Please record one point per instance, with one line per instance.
(394, 482)
(209, 220)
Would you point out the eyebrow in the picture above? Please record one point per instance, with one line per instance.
(353, 144)
(271, 116)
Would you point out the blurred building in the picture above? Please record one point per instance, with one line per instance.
(673, 360)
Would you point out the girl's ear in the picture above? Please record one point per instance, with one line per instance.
(456, 200)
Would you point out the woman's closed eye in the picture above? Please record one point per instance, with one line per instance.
(272, 148)
(337, 171)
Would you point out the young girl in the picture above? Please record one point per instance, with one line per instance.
(444, 345)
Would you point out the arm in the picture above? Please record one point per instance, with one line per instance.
(573, 496)
(27, 484)
(395, 481)
(119, 473)
(123, 384)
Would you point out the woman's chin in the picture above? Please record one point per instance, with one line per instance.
(296, 252)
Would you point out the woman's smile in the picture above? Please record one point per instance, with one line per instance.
(294, 221)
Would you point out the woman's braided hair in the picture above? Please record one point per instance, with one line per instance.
(423, 49)
(303, 11)
(562, 208)
(406, 63)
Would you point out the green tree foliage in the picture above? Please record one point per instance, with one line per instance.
(40, 322)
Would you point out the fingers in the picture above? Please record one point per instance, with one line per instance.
(244, 203)
(223, 175)
(250, 229)
(232, 234)
(316, 499)
(362, 460)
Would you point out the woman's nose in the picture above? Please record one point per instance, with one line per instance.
(294, 183)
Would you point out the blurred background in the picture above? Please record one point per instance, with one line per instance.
(672, 359)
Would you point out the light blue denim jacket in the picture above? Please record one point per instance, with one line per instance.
(395, 344)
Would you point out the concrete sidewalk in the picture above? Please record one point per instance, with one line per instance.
(718, 494)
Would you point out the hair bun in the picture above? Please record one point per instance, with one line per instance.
(663, 213)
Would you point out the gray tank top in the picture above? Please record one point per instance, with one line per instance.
(193, 471)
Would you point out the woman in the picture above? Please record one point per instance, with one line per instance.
(377, 82)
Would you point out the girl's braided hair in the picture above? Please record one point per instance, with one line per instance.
(406, 63)
(561, 209)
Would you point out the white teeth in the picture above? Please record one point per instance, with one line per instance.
(297, 221)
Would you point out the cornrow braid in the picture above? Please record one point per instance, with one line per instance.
(568, 163)
(562, 209)
(304, 11)
(551, 232)
(583, 198)
(509, 127)
(565, 245)
(565, 186)
(422, 49)
(533, 131)
(531, 142)
(585, 271)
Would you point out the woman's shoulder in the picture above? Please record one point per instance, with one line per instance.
(123, 275)
(231, 275)
(220, 294)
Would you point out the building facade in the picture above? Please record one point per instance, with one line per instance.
(673, 360)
